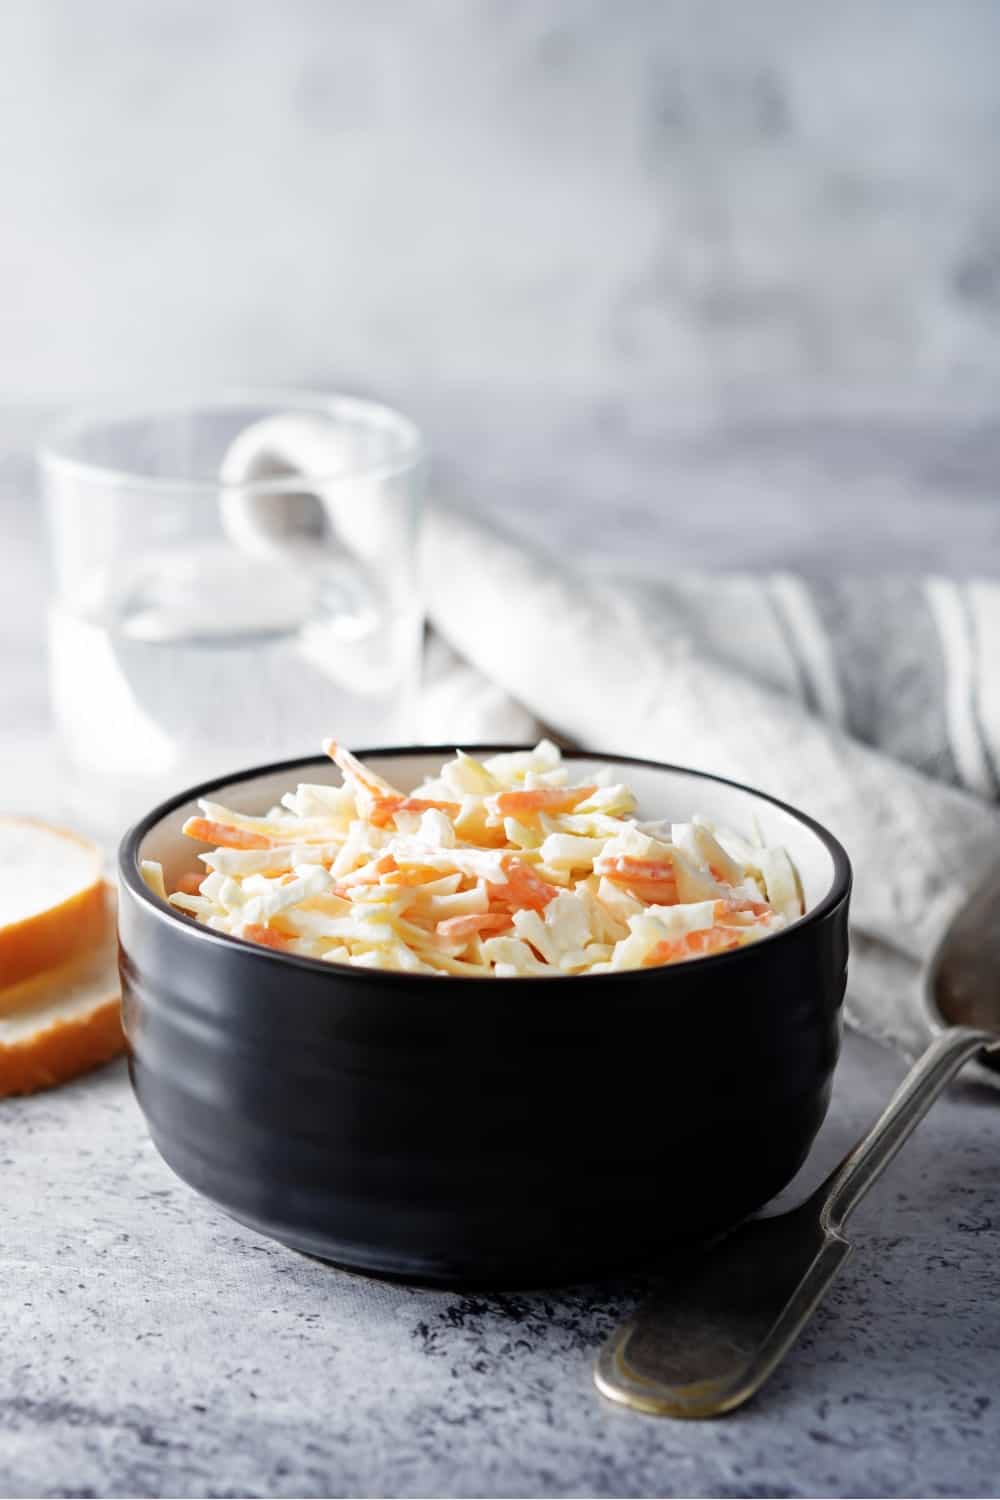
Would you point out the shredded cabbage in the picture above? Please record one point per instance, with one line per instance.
(505, 868)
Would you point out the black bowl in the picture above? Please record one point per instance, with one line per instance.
(483, 1131)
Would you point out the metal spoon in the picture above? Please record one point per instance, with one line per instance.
(706, 1344)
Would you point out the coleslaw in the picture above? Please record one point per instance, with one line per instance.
(503, 868)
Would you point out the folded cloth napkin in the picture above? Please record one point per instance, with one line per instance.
(874, 705)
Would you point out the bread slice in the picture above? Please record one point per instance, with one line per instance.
(65, 1021)
(52, 898)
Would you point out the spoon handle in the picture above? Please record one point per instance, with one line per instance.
(839, 1195)
(707, 1342)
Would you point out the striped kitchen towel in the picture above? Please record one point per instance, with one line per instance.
(872, 704)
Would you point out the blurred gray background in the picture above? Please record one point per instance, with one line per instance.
(667, 282)
(643, 200)
(670, 281)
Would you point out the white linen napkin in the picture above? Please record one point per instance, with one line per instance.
(874, 705)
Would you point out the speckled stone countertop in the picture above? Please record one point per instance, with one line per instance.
(153, 1347)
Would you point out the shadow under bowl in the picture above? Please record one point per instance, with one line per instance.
(483, 1131)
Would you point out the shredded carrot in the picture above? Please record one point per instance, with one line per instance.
(709, 940)
(523, 888)
(475, 922)
(652, 892)
(224, 834)
(355, 771)
(256, 932)
(547, 799)
(624, 867)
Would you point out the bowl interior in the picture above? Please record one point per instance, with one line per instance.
(663, 792)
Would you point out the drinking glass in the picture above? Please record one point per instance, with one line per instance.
(232, 580)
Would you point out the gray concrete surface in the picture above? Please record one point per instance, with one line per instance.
(152, 1347)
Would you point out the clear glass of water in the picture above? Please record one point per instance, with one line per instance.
(233, 579)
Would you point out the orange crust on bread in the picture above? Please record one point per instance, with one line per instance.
(63, 1050)
(50, 938)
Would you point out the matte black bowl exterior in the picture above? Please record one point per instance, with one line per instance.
(472, 1130)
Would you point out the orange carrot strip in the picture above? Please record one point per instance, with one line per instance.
(256, 932)
(230, 838)
(523, 888)
(665, 952)
(709, 940)
(651, 880)
(190, 883)
(547, 799)
(654, 893)
(423, 804)
(474, 922)
(353, 770)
